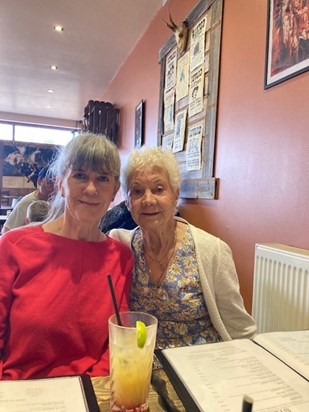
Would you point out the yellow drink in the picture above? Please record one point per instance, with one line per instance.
(131, 366)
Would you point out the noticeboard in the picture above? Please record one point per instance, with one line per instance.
(189, 97)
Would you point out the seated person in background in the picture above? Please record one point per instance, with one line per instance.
(54, 293)
(37, 211)
(117, 217)
(45, 187)
(182, 275)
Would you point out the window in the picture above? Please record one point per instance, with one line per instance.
(42, 135)
(35, 134)
(6, 131)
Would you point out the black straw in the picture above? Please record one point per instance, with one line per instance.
(114, 299)
(247, 404)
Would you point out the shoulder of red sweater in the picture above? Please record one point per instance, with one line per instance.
(119, 245)
(17, 233)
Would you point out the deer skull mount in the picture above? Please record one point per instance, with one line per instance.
(180, 31)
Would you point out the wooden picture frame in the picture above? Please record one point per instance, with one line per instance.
(139, 124)
(287, 42)
(198, 139)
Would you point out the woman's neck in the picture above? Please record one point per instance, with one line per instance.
(159, 253)
(159, 242)
(62, 227)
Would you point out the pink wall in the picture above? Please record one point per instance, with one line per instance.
(262, 149)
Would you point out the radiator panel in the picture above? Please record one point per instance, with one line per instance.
(281, 288)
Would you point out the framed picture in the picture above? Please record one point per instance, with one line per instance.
(287, 49)
(139, 124)
(21, 159)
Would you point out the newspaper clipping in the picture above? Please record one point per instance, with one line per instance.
(182, 84)
(167, 142)
(193, 153)
(196, 93)
(197, 49)
(180, 127)
(169, 99)
(170, 72)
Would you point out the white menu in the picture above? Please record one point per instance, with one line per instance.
(218, 375)
(65, 394)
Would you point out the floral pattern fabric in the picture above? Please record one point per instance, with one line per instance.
(179, 305)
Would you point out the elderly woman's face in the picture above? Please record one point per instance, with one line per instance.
(151, 199)
(88, 194)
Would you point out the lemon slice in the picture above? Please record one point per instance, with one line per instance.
(141, 333)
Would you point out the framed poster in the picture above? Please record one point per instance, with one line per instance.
(287, 48)
(139, 124)
(24, 159)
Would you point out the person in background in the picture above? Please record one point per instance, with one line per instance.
(182, 275)
(117, 217)
(37, 211)
(54, 292)
(45, 187)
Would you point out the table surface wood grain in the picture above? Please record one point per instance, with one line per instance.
(162, 396)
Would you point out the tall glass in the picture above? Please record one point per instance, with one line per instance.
(130, 365)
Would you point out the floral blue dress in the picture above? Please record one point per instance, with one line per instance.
(179, 305)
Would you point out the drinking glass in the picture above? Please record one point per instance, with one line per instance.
(130, 365)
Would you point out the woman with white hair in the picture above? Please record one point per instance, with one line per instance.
(54, 292)
(182, 275)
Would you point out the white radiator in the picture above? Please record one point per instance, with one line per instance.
(280, 288)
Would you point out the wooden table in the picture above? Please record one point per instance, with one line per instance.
(162, 396)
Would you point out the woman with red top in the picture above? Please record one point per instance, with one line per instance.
(54, 294)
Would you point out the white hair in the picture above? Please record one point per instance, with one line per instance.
(150, 157)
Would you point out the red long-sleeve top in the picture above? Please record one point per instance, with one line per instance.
(55, 303)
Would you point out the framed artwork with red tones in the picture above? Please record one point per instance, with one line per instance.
(287, 48)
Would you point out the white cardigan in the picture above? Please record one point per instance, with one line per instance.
(219, 283)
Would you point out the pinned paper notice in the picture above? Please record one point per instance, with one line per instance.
(180, 127)
(197, 49)
(193, 154)
(169, 100)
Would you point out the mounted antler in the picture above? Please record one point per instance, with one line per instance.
(180, 31)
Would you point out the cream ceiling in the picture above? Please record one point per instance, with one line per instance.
(98, 36)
